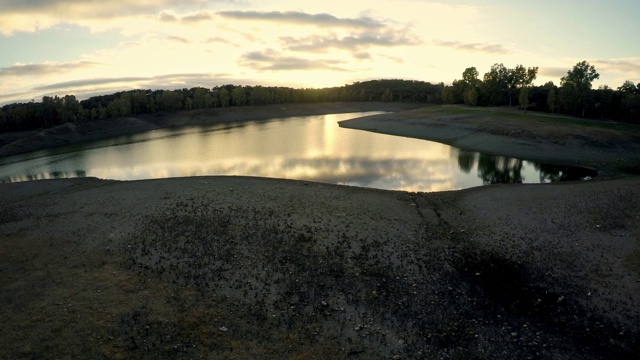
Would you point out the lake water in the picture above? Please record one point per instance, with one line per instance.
(310, 148)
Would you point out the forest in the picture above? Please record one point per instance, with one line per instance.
(500, 86)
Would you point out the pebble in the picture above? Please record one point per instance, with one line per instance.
(223, 329)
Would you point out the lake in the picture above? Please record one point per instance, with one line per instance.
(313, 148)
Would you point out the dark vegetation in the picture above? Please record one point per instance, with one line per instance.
(56, 110)
(501, 86)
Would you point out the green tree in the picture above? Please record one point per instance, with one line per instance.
(471, 96)
(495, 84)
(629, 88)
(201, 98)
(223, 95)
(470, 84)
(519, 78)
(52, 107)
(238, 96)
(71, 109)
(577, 83)
(447, 95)
(470, 75)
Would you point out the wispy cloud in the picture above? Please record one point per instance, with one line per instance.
(301, 18)
(271, 60)
(197, 17)
(553, 72)
(78, 8)
(353, 43)
(179, 39)
(88, 82)
(166, 17)
(474, 47)
(620, 65)
(44, 68)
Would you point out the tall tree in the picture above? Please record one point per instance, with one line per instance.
(578, 82)
(470, 84)
(495, 84)
(629, 88)
(518, 78)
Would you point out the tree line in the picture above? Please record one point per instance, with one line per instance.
(502, 86)
(56, 110)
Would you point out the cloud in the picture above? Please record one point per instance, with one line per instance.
(87, 82)
(179, 39)
(44, 68)
(556, 72)
(201, 16)
(474, 47)
(270, 60)
(219, 40)
(301, 18)
(166, 17)
(84, 8)
(31, 15)
(353, 43)
(630, 65)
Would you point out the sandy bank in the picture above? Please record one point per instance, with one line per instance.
(234, 267)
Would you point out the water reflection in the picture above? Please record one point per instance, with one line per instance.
(505, 170)
(311, 148)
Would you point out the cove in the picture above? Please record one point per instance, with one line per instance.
(313, 148)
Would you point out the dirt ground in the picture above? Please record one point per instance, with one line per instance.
(240, 267)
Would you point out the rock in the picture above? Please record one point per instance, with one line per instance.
(223, 329)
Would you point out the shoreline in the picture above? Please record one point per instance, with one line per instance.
(495, 133)
(28, 141)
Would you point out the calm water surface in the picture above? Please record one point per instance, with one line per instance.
(311, 148)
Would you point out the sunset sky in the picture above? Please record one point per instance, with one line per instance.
(90, 47)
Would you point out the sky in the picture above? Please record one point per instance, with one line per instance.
(92, 47)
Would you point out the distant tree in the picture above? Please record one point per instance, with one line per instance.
(363, 95)
(495, 84)
(201, 98)
(387, 96)
(223, 95)
(52, 107)
(631, 103)
(552, 99)
(471, 96)
(577, 84)
(71, 109)
(603, 98)
(523, 99)
(629, 88)
(470, 84)
(447, 95)
(470, 75)
(169, 101)
(238, 96)
(518, 78)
